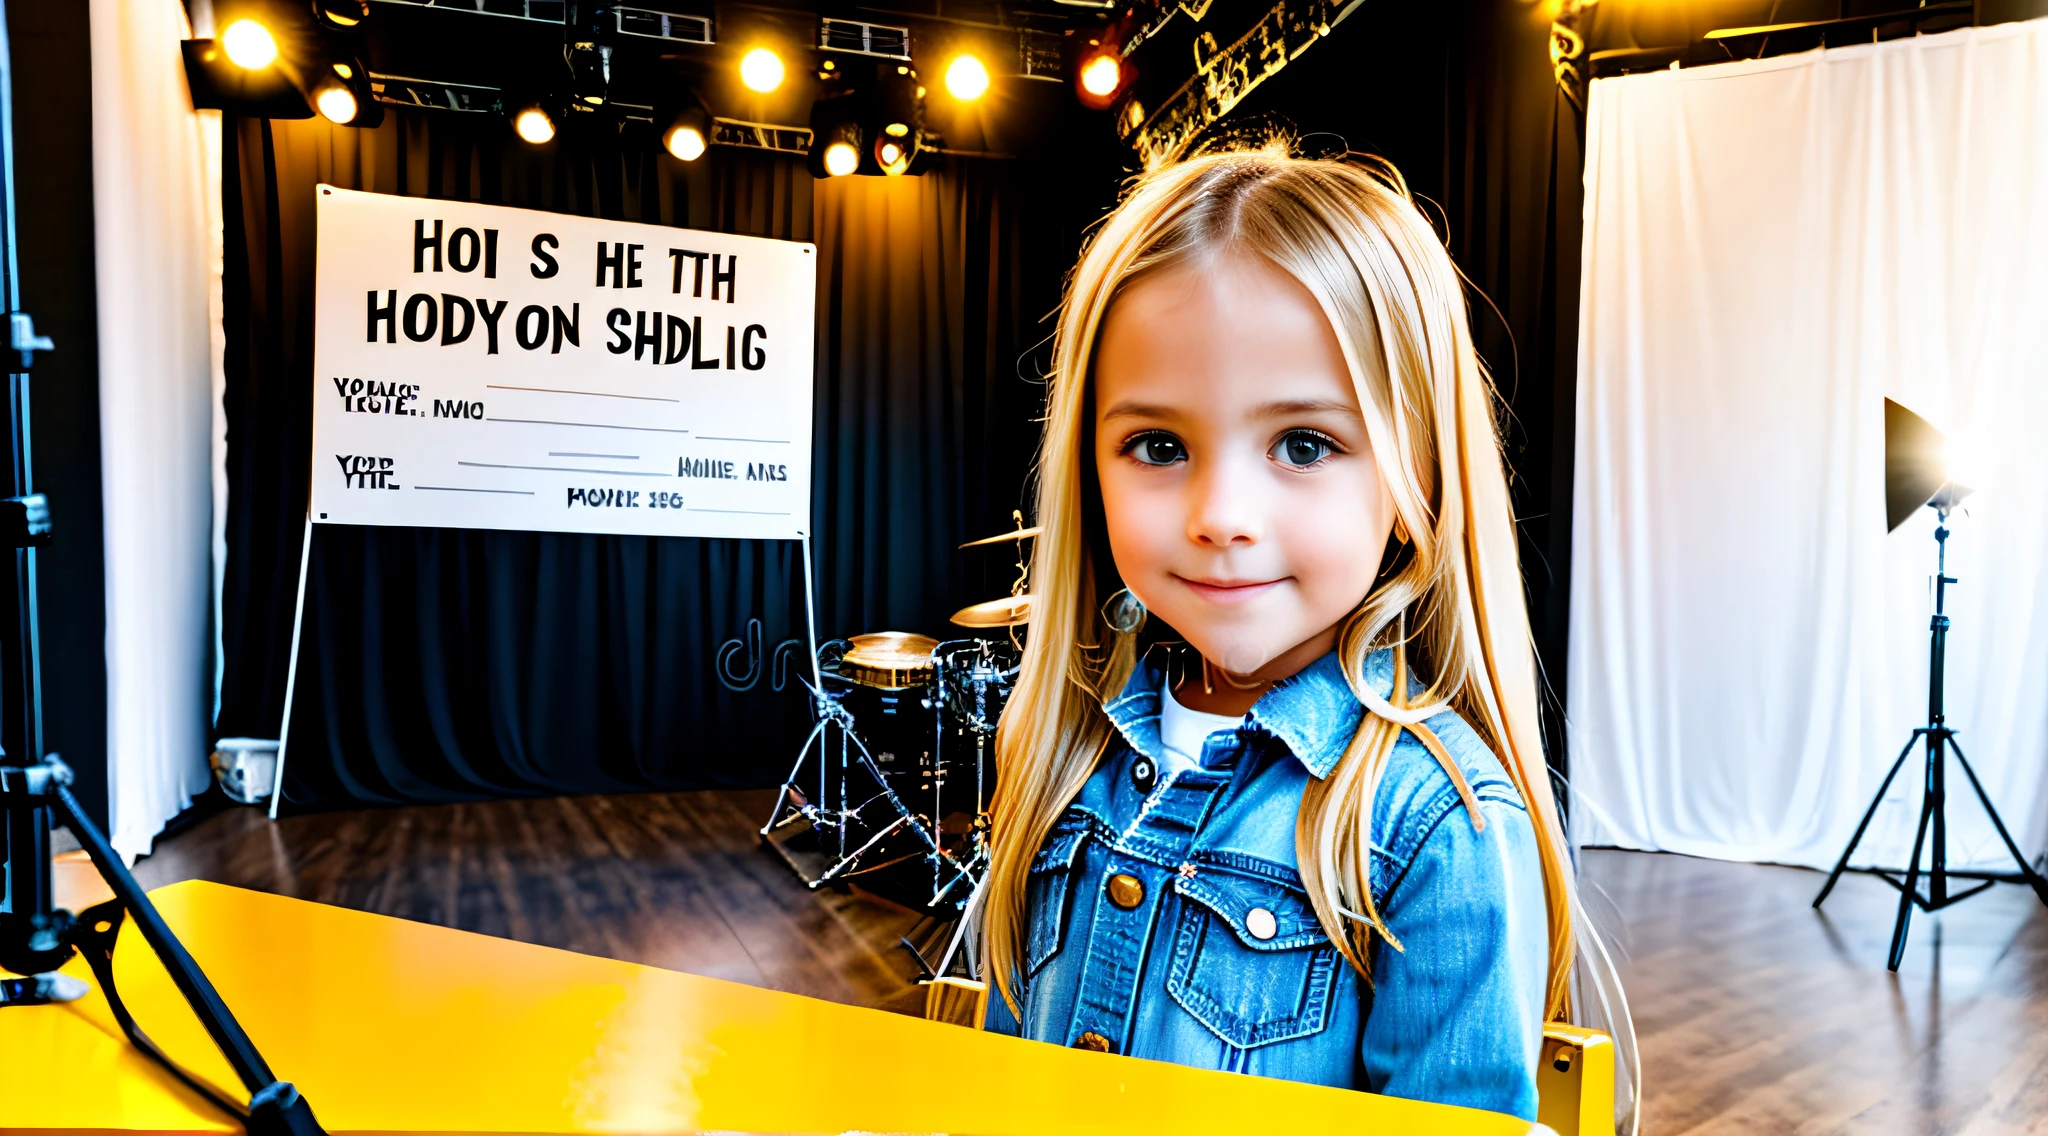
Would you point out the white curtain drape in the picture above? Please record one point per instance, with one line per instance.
(1771, 249)
(156, 226)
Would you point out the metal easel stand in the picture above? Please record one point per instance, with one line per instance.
(37, 941)
(1939, 739)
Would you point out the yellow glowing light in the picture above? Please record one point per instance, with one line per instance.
(841, 159)
(891, 153)
(337, 105)
(1101, 75)
(534, 125)
(761, 70)
(896, 130)
(344, 70)
(966, 78)
(249, 45)
(686, 143)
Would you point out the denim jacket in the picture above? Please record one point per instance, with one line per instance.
(1167, 920)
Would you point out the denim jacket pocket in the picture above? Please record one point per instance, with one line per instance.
(1046, 891)
(1250, 959)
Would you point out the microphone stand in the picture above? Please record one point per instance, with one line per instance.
(1939, 739)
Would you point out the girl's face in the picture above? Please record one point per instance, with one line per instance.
(1243, 505)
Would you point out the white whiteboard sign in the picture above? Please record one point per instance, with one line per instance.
(483, 367)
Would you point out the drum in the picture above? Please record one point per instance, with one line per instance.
(889, 660)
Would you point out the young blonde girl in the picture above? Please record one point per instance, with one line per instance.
(1362, 879)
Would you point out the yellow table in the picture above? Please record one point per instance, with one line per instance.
(392, 1026)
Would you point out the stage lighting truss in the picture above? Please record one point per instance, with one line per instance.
(540, 11)
(319, 69)
(675, 27)
(760, 136)
(855, 37)
(435, 94)
(1041, 55)
(671, 26)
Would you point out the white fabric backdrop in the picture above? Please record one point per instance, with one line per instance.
(156, 234)
(1771, 248)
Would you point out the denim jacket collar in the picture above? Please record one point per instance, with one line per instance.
(1312, 712)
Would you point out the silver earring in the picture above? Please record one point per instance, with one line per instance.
(1123, 612)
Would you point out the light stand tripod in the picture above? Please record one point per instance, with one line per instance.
(1939, 739)
(36, 936)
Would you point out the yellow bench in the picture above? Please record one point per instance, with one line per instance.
(1574, 1080)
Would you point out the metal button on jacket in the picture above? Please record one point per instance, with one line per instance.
(1143, 774)
(1092, 1041)
(1261, 924)
(1127, 891)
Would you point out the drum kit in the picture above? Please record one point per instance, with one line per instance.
(891, 788)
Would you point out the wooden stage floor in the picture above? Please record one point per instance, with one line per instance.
(1756, 1014)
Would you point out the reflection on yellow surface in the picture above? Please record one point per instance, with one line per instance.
(393, 1026)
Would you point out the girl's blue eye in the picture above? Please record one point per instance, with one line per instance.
(1157, 448)
(1301, 448)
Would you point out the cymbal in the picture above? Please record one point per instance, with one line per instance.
(1006, 612)
(1019, 534)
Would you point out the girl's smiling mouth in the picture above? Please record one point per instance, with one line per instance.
(1217, 589)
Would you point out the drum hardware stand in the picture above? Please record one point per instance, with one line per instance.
(977, 722)
(791, 806)
(1938, 738)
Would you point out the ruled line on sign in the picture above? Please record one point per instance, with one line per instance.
(564, 469)
(593, 425)
(593, 394)
(467, 489)
(567, 454)
(749, 512)
(769, 441)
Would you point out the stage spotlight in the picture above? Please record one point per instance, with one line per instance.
(966, 78)
(217, 83)
(534, 124)
(1101, 75)
(761, 70)
(344, 14)
(336, 102)
(343, 96)
(895, 113)
(685, 142)
(685, 127)
(841, 159)
(893, 156)
(837, 137)
(249, 45)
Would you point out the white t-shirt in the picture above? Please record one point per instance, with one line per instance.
(1182, 731)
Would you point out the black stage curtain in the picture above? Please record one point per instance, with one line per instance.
(443, 665)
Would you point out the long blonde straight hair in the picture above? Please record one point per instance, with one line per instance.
(1353, 237)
